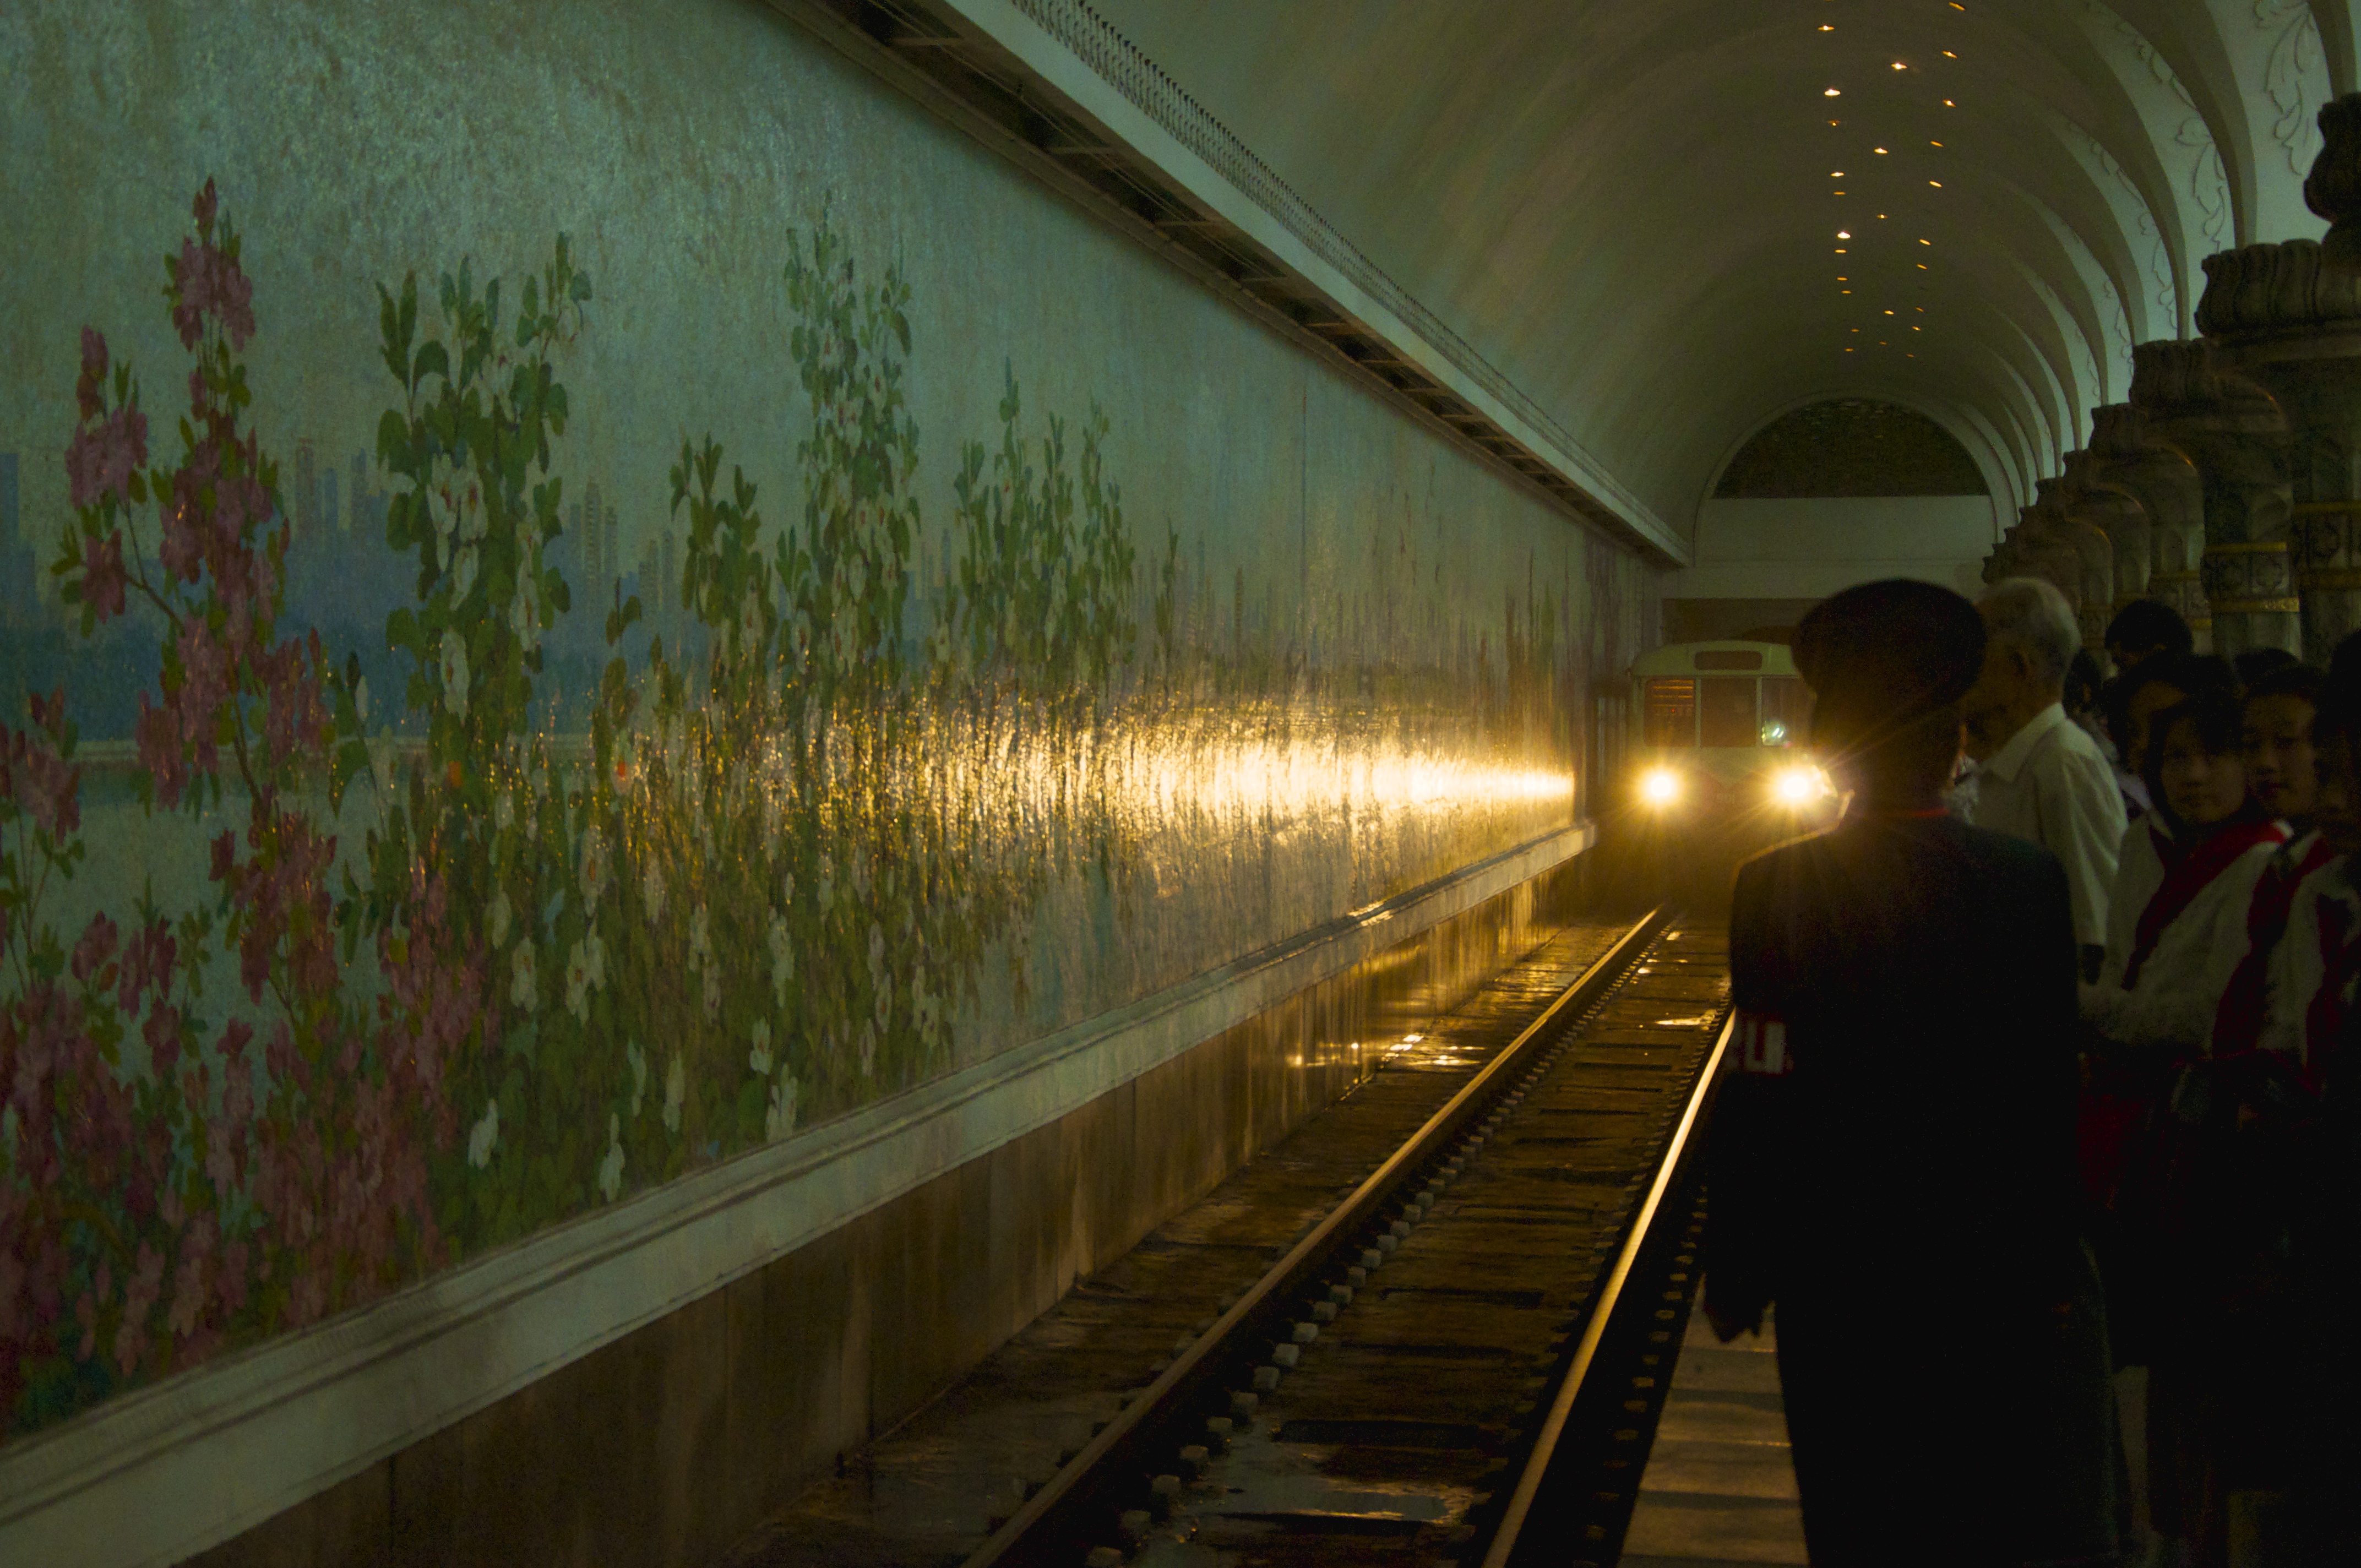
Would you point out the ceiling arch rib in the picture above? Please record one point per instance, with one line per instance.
(1634, 210)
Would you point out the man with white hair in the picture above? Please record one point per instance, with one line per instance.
(2039, 776)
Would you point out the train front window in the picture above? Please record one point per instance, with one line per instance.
(1726, 711)
(1786, 710)
(1670, 717)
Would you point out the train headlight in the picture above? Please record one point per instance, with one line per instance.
(1660, 786)
(1799, 786)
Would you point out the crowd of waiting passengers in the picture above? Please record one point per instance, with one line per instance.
(2172, 1206)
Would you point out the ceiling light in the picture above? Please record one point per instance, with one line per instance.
(1843, 233)
(1899, 66)
(1825, 29)
(1840, 250)
(1948, 104)
(1948, 55)
(1832, 93)
(1925, 242)
(1881, 152)
(1844, 280)
(1844, 291)
(1922, 266)
(1934, 144)
(1937, 184)
(1889, 313)
(1836, 173)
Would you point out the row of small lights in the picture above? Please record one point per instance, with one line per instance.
(1839, 174)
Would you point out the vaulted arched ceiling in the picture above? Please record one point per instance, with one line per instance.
(1670, 221)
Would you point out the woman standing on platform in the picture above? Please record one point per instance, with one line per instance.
(2187, 879)
(1891, 1160)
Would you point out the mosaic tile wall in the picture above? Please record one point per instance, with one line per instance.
(582, 588)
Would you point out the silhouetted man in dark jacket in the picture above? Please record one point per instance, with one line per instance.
(1892, 1158)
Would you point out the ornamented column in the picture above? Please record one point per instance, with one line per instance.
(2233, 432)
(2090, 501)
(2093, 595)
(2291, 320)
(2171, 498)
(2040, 546)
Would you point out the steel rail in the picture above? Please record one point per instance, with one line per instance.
(1553, 1428)
(1050, 1514)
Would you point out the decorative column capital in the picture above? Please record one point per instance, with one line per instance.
(2293, 287)
(2174, 382)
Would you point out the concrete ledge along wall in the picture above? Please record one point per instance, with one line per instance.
(667, 1442)
(816, 738)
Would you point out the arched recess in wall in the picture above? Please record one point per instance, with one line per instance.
(1995, 475)
(1850, 446)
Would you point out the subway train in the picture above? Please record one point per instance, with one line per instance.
(1718, 730)
(1717, 767)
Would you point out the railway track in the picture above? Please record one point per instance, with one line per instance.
(1463, 1361)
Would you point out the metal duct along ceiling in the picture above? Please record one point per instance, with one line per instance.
(1671, 222)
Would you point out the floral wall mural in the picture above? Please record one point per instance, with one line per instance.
(522, 681)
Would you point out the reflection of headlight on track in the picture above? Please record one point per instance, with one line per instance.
(1799, 786)
(1660, 786)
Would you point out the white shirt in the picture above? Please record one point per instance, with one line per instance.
(2052, 784)
(2182, 981)
(2299, 964)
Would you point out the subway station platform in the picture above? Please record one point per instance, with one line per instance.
(945, 781)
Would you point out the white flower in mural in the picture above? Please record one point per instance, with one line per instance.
(463, 570)
(454, 673)
(503, 810)
(467, 518)
(638, 1062)
(524, 619)
(787, 889)
(712, 991)
(782, 958)
(779, 1120)
(868, 1051)
(578, 985)
(594, 865)
(610, 1170)
(675, 1093)
(876, 953)
(701, 938)
(496, 917)
(360, 699)
(484, 1136)
(652, 889)
(524, 977)
(750, 624)
(444, 478)
(759, 1057)
(594, 960)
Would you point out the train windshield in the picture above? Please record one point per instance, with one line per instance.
(1786, 710)
(1669, 717)
(1727, 713)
